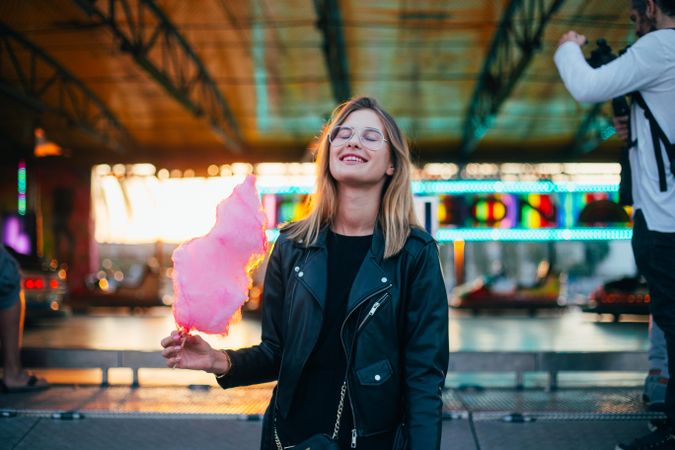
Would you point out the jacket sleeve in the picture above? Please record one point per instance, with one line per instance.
(426, 350)
(260, 363)
(640, 67)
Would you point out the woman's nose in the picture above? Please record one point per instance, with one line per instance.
(354, 138)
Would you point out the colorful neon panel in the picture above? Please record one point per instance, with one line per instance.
(448, 235)
(495, 210)
(290, 208)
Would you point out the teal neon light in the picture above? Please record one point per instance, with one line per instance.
(21, 189)
(272, 235)
(509, 187)
(284, 190)
(541, 234)
(470, 187)
(607, 132)
(446, 235)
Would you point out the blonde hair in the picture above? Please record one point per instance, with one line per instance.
(396, 214)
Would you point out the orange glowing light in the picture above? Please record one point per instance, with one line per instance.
(45, 147)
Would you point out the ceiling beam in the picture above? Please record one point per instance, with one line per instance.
(147, 34)
(515, 42)
(334, 50)
(55, 90)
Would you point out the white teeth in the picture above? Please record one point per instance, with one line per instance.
(353, 158)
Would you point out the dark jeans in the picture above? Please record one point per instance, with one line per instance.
(655, 258)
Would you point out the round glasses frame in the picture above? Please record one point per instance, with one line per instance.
(369, 145)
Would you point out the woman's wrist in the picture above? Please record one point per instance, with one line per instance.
(221, 363)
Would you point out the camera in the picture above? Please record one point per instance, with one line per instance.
(599, 57)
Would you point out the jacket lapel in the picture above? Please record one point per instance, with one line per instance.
(370, 277)
(313, 274)
(313, 270)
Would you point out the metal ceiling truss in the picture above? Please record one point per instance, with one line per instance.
(33, 78)
(516, 40)
(334, 50)
(147, 34)
(594, 129)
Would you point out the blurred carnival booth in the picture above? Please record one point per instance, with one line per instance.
(526, 236)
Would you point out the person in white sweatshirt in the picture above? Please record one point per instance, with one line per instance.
(647, 71)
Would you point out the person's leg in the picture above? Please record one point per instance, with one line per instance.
(11, 324)
(11, 334)
(662, 289)
(654, 393)
(654, 390)
(658, 351)
(661, 281)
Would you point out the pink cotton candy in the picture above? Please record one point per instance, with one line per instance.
(211, 276)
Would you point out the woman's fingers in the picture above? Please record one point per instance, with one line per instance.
(174, 363)
(172, 339)
(170, 352)
(173, 347)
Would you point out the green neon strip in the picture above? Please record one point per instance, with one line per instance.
(21, 188)
(569, 207)
(469, 187)
(446, 235)
(21, 206)
(482, 211)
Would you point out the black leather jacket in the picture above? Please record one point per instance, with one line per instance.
(395, 331)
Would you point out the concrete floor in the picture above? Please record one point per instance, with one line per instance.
(165, 413)
(150, 418)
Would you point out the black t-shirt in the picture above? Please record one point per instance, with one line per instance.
(317, 396)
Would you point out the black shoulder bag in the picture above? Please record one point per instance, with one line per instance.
(319, 441)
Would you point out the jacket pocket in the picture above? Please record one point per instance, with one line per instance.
(374, 374)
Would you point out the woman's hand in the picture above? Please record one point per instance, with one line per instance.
(185, 351)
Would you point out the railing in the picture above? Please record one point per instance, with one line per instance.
(518, 363)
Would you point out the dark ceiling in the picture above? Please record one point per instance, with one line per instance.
(220, 80)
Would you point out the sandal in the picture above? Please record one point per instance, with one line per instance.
(31, 386)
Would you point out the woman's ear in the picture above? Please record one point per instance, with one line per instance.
(390, 170)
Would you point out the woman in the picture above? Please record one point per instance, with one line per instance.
(354, 304)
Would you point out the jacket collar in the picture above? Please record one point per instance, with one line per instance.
(376, 246)
(370, 278)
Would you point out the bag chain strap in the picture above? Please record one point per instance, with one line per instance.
(336, 429)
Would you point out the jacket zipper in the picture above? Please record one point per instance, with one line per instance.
(347, 355)
(373, 310)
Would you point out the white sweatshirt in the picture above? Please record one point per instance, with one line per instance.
(649, 68)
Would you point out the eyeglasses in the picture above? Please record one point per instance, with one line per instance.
(370, 138)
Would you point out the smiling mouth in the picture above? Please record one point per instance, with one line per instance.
(352, 158)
